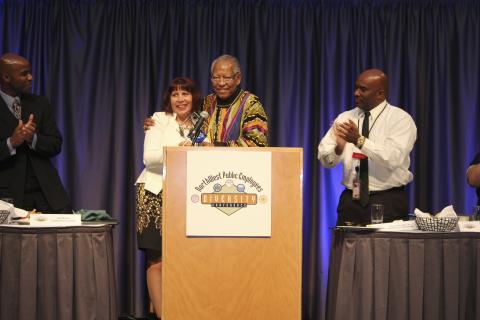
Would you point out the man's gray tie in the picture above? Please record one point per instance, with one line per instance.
(17, 109)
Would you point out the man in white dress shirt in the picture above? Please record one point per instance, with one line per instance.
(385, 140)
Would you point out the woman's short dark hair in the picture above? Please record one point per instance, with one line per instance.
(187, 84)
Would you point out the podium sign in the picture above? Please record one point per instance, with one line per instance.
(251, 267)
(227, 196)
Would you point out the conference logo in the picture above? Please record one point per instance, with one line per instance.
(229, 192)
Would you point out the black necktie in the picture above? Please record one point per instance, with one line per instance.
(364, 165)
(17, 109)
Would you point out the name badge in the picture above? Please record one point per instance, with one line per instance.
(55, 220)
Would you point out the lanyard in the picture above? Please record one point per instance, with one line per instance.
(374, 121)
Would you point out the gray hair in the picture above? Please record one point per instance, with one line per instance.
(229, 58)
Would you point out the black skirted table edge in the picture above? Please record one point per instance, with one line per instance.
(57, 273)
(404, 275)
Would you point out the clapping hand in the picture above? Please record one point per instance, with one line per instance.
(23, 132)
(347, 131)
(29, 129)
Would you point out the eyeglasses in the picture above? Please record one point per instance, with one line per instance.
(218, 79)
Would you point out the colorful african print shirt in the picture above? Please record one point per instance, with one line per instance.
(242, 123)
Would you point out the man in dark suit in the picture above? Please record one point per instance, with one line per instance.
(29, 137)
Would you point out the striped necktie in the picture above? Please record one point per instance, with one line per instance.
(17, 109)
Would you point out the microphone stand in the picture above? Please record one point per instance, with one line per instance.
(195, 137)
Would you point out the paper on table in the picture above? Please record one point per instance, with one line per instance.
(7, 211)
(20, 213)
(6, 206)
(52, 220)
(397, 225)
(469, 226)
(14, 212)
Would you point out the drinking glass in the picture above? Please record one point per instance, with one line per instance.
(376, 212)
(476, 213)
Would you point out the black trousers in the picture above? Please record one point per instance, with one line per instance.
(350, 212)
(34, 199)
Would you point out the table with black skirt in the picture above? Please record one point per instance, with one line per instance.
(414, 275)
(57, 273)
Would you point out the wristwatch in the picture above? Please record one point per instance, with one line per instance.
(360, 142)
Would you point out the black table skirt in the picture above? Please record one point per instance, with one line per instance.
(404, 276)
(57, 273)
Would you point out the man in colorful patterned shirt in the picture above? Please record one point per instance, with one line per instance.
(237, 117)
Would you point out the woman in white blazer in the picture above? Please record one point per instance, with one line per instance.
(171, 127)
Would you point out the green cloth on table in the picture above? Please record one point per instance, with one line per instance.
(94, 215)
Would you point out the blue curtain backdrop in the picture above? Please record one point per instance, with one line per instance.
(105, 63)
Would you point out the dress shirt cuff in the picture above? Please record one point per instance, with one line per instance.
(331, 159)
(13, 151)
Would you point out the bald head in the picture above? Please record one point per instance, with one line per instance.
(9, 59)
(371, 88)
(376, 75)
(15, 74)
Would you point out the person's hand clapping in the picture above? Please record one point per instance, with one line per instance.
(339, 138)
(29, 129)
(348, 131)
(17, 137)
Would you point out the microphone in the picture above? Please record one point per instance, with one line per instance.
(197, 128)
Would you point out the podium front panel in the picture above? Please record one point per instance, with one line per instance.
(233, 277)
